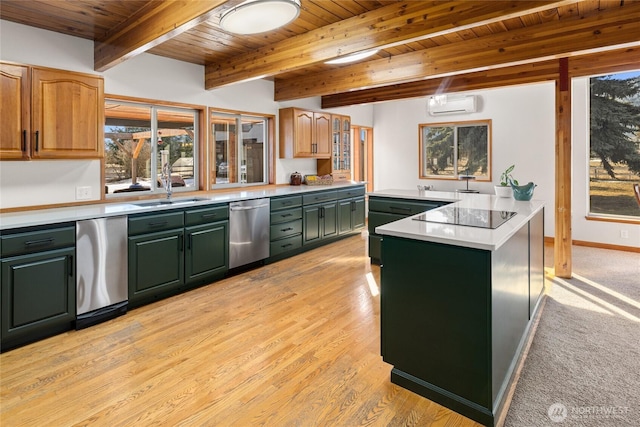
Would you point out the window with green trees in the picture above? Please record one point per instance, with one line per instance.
(453, 150)
(614, 161)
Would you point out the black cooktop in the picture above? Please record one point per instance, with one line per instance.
(482, 218)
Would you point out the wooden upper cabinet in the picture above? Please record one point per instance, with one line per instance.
(304, 133)
(339, 166)
(67, 114)
(14, 111)
(51, 114)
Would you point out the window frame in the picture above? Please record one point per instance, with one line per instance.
(455, 176)
(600, 216)
(198, 142)
(269, 144)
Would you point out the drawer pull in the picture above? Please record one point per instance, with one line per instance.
(398, 208)
(286, 215)
(158, 224)
(209, 215)
(286, 229)
(288, 202)
(286, 245)
(41, 242)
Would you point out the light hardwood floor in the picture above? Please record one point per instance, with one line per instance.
(294, 343)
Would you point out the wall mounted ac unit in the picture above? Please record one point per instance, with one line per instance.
(440, 105)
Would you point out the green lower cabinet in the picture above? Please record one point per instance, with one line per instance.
(351, 215)
(156, 265)
(206, 253)
(38, 296)
(320, 222)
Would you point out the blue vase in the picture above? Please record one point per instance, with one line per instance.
(523, 192)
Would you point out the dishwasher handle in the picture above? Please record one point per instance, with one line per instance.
(247, 208)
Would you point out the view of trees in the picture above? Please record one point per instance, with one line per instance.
(615, 122)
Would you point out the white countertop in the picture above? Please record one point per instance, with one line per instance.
(459, 235)
(101, 210)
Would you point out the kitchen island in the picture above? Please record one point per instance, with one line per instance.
(457, 301)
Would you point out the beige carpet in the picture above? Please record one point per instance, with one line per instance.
(583, 366)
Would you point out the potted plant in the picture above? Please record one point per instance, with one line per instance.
(504, 189)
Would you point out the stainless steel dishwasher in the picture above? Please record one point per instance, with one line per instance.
(102, 290)
(248, 231)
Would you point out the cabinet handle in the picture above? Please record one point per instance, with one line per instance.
(353, 205)
(287, 203)
(37, 133)
(24, 140)
(70, 265)
(400, 208)
(42, 242)
(158, 224)
(190, 241)
(286, 229)
(287, 245)
(322, 212)
(209, 215)
(286, 215)
(181, 243)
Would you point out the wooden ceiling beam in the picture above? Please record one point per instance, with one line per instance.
(152, 25)
(386, 27)
(612, 61)
(609, 29)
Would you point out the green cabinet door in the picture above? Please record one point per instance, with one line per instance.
(38, 296)
(156, 264)
(206, 254)
(329, 220)
(312, 224)
(351, 214)
(344, 216)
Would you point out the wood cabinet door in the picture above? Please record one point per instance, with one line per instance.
(67, 114)
(14, 112)
(303, 134)
(322, 136)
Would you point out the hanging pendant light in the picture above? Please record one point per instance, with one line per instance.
(259, 16)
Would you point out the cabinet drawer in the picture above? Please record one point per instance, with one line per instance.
(284, 245)
(155, 222)
(400, 206)
(285, 202)
(350, 192)
(206, 215)
(377, 219)
(36, 241)
(319, 197)
(286, 229)
(287, 215)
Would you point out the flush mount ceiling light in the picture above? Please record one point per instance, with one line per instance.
(259, 16)
(352, 57)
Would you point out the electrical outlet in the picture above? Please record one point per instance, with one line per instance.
(83, 193)
(624, 234)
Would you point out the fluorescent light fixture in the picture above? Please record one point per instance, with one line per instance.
(259, 16)
(352, 57)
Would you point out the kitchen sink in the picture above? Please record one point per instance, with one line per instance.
(175, 202)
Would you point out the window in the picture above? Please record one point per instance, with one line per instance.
(614, 161)
(239, 149)
(138, 137)
(453, 150)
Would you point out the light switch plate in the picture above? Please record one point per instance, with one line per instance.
(83, 193)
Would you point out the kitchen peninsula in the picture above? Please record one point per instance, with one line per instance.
(460, 285)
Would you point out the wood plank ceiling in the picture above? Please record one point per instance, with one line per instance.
(421, 43)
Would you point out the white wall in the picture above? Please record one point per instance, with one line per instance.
(523, 133)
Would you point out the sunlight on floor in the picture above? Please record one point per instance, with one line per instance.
(579, 298)
(373, 286)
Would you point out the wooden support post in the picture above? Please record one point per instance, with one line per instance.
(562, 241)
